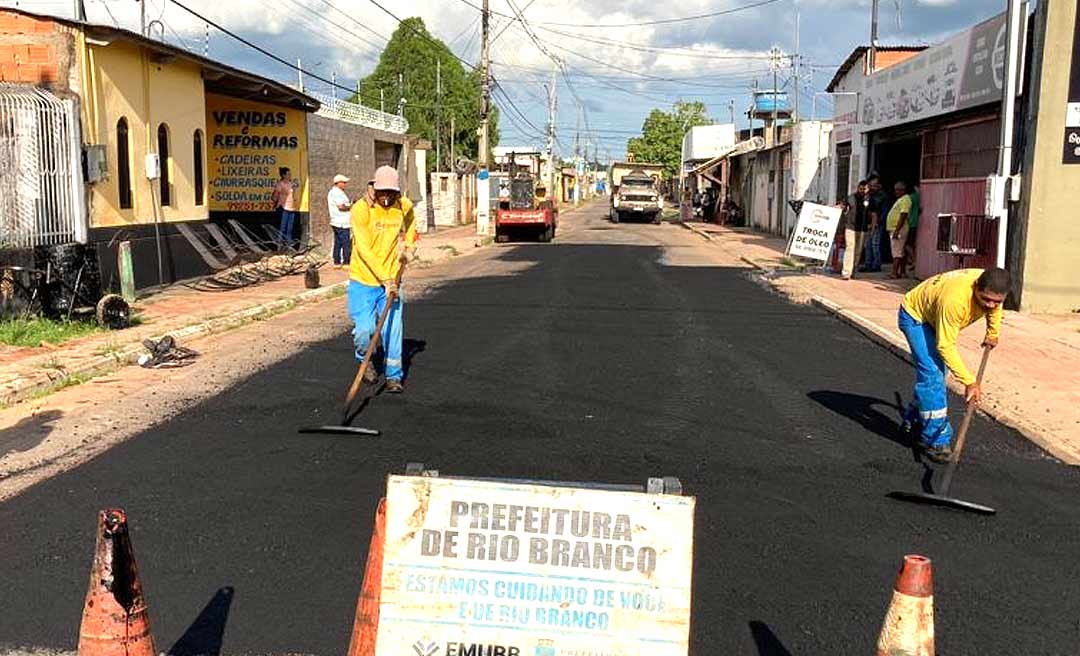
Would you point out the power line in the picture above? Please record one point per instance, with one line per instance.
(663, 21)
(422, 35)
(701, 53)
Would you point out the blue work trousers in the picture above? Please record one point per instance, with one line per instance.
(366, 303)
(930, 409)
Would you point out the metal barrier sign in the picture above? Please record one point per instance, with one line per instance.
(488, 568)
(815, 231)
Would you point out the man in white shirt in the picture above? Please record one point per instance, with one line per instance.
(340, 221)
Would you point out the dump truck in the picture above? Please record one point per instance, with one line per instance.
(636, 191)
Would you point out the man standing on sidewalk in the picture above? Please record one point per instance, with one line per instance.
(897, 225)
(340, 220)
(931, 318)
(876, 208)
(384, 239)
(855, 224)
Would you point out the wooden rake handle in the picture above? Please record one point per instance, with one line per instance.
(961, 436)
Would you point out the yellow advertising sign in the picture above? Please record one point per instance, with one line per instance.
(247, 142)
(518, 569)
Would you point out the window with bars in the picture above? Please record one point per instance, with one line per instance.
(123, 164)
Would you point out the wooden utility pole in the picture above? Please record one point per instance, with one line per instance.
(438, 114)
(551, 133)
(485, 85)
(871, 58)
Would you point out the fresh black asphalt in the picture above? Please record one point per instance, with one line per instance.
(593, 362)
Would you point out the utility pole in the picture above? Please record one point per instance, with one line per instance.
(795, 68)
(551, 133)
(774, 130)
(438, 114)
(872, 56)
(1008, 125)
(452, 133)
(206, 40)
(333, 84)
(80, 10)
(485, 84)
(382, 100)
(731, 110)
(142, 17)
(300, 74)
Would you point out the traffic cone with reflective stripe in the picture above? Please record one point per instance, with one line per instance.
(366, 624)
(114, 621)
(909, 624)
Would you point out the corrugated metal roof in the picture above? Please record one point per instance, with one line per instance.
(857, 55)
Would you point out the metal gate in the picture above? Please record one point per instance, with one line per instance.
(41, 186)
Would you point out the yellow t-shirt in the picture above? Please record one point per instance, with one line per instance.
(947, 302)
(901, 206)
(376, 233)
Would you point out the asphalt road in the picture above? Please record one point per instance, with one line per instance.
(614, 354)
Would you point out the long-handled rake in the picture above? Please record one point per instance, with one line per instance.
(942, 498)
(347, 413)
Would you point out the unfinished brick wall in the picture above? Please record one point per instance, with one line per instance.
(34, 50)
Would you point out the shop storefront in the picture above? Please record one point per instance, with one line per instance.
(931, 121)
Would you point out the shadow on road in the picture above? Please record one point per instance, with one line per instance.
(28, 433)
(766, 641)
(206, 633)
(410, 348)
(865, 410)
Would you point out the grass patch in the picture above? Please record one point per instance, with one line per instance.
(32, 332)
(789, 262)
(454, 252)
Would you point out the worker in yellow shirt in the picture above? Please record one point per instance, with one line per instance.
(384, 239)
(931, 318)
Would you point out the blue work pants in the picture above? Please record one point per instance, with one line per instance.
(366, 303)
(931, 394)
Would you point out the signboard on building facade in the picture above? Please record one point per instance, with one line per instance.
(964, 72)
(815, 231)
(485, 567)
(1072, 108)
(247, 142)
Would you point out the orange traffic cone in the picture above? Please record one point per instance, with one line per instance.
(114, 621)
(366, 624)
(909, 624)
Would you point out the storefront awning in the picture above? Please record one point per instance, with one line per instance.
(741, 148)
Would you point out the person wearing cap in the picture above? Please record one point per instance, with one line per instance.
(340, 220)
(384, 239)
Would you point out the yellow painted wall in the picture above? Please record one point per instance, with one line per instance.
(248, 142)
(121, 80)
(1053, 231)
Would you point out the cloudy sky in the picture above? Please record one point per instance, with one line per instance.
(617, 65)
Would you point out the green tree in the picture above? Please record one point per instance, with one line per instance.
(662, 135)
(407, 68)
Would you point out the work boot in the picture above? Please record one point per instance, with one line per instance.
(938, 454)
(394, 386)
(370, 375)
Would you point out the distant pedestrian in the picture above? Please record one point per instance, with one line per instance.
(910, 252)
(897, 225)
(284, 198)
(856, 222)
(340, 222)
(384, 240)
(875, 204)
(931, 318)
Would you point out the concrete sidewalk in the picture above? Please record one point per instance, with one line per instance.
(187, 314)
(1033, 379)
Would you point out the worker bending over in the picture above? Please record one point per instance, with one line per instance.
(384, 239)
(931, 318)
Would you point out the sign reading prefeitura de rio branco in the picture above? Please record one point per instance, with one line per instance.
(486, 568)
(815, 231)
(246, 144)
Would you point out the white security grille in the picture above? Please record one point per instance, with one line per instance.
(360, 115)
(41, 190)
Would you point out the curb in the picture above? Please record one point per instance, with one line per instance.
(129, 354)
(700, 233)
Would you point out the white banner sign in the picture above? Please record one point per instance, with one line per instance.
(815, 231)
(965, 71)
(484, 568)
